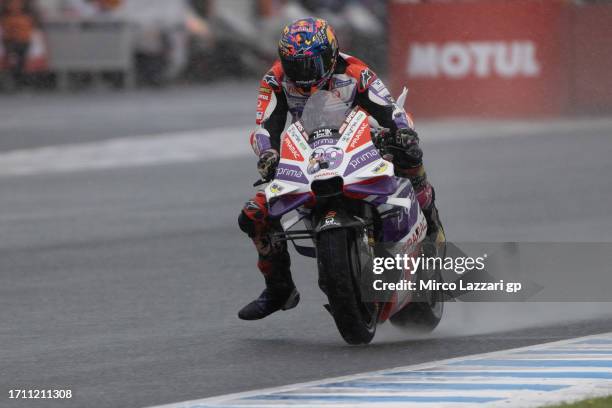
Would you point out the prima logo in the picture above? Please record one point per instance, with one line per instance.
(293, 173)
(483, 59)
(363, 158)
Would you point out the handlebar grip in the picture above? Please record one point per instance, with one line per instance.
(381, 137)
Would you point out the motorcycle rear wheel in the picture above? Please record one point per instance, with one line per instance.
(425, 314)
(422, 317)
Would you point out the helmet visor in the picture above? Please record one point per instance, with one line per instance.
(308, 71)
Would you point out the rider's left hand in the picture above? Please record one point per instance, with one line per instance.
(406, 138)
(407, 142)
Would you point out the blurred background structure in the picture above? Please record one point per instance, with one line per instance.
(500, 58)
(53, 43)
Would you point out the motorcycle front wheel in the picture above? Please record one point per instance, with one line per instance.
(339, 271)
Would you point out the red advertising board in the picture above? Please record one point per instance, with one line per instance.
(592, 58)
(482, 58)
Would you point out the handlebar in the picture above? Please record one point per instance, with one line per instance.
(381, 138)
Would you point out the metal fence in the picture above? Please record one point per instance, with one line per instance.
(90, 47)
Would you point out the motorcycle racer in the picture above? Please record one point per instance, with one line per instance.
(310, 60)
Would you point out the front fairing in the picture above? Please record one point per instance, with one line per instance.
(309, 155)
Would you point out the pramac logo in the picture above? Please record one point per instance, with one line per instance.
(483, 59)
(362, 137)
(290, 151)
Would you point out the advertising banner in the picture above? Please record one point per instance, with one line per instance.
(482, 58)
(592, 58)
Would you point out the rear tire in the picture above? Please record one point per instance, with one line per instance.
(339, 269)
(419, 316)
(425, 314)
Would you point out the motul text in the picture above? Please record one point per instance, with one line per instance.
(482, 59)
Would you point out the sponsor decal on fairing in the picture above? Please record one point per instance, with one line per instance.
(351, 126)
(292, 173)
(361, 159)
(324, 141)
(325, 158)
(360, 138)
(290, 151)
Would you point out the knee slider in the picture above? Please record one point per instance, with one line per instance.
(246, 224)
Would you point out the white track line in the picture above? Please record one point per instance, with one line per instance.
(232, 142)
(525, 377)
(128, 152)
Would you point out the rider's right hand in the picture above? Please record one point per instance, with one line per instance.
(268, 160)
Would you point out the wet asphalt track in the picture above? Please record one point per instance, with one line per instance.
(123, 284)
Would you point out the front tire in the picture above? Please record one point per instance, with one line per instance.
(339, 269)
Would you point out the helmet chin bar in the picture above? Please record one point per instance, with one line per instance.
(314, 85)
(311, 87)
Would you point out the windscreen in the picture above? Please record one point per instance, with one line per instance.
(324, 110)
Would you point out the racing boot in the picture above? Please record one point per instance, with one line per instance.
(271, 300)
(435, 230)
(280, 292)
(274, 262)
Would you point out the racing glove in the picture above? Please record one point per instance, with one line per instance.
(405, 148)
(268, 160)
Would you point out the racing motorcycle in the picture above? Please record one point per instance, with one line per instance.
(332, 179)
